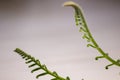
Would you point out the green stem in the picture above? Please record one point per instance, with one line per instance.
(79, 14)
(42, 67)
(96, 45)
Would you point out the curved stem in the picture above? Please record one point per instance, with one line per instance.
(79, 14)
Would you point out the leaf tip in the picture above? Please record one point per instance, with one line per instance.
(70, 3)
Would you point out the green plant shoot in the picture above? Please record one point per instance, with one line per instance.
(35, 62)
(80, 21)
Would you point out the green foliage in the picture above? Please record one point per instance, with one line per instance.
(80, 21)
(31, 61)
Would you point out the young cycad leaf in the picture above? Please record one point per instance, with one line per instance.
(80, 21)
(35, 62)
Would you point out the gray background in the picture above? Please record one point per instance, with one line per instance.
(47, 31)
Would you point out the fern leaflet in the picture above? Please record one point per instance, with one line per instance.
(80, 21)
(31, 61)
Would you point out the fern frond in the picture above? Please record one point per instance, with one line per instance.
(35, 62)
(80, 21)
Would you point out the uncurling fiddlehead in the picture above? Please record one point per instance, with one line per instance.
(80, 21)
(35, 62)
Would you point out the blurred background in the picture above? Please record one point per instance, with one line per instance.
(46, 30)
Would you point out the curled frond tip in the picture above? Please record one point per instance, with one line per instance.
(70, 3)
